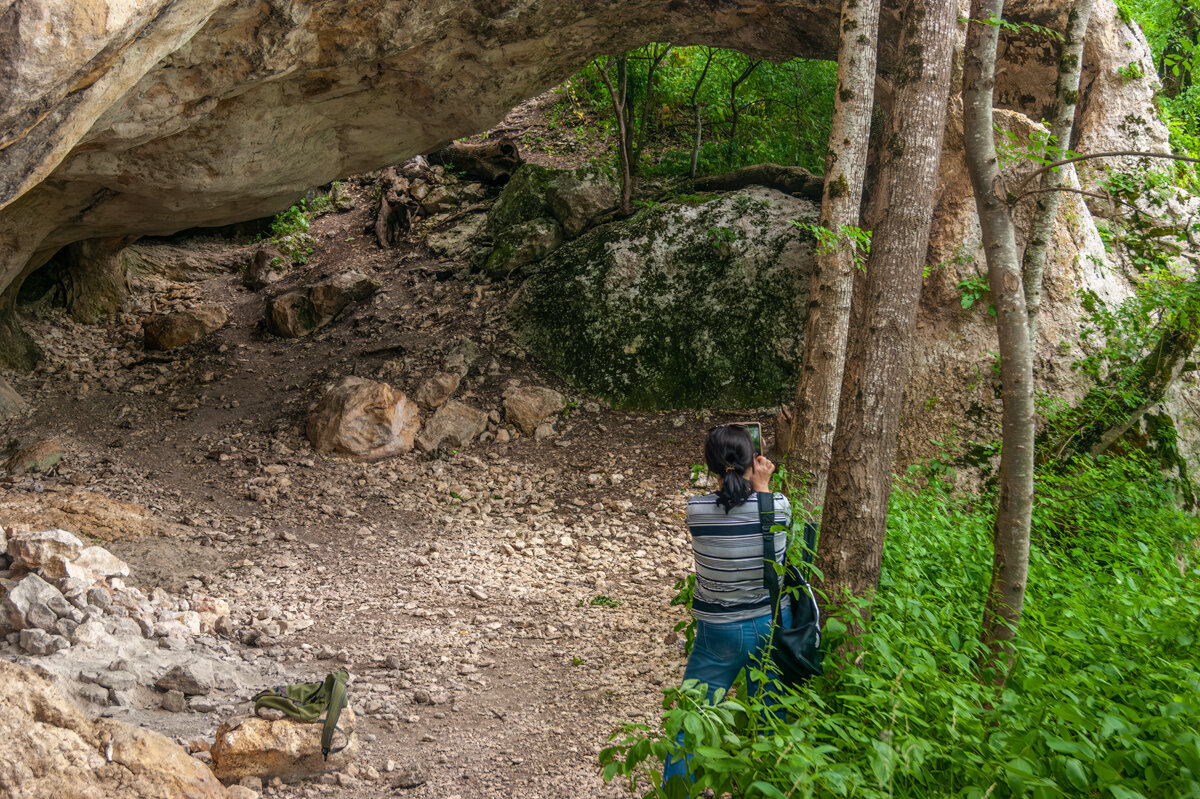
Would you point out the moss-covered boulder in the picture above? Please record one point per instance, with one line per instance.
(679, 306)
(522, 200)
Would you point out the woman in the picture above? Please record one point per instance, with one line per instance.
(732, 608)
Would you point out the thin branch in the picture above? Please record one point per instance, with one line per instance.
(1119, 153)
(1095, 194)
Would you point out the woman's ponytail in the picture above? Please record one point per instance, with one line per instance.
(729, 454)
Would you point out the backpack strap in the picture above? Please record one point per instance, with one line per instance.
(766, 520)
(810, 543)
(335, 685)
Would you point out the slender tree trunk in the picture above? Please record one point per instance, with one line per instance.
(733, 104)
(1041, 230)
(617, 95)
(696, 105)
(883, 314)
(1010, 563)
(817, 395)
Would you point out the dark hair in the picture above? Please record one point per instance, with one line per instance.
(729, 453)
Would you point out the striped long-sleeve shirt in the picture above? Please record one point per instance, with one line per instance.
(729, 557)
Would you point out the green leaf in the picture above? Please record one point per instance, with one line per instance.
(1076, 774)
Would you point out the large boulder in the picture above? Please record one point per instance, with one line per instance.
(52, 751)
(680, 306)
(249, 746)
(522, 200)
(363, 419)
(577, 197)
(180, 328)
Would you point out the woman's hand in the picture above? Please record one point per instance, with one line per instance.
(760, 474)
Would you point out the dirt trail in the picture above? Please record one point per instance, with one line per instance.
(458, 589)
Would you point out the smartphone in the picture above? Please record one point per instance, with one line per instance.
(755, 430)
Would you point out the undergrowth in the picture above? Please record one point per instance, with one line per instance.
(1103, 700)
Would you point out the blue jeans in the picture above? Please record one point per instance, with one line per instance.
(720, 652)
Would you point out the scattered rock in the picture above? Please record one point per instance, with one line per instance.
(437, 389)
(191, 679)
(29, 597)
(298, 313)
(526, 406)
(522, 245)
(363, 419)
(330, 296)
(53, 751)
(40, 457)
(180, 328)
(292, 315)
(459, 239)
(241, 792)
(174, 701)
(454, 424)
(39, 642)
(411, 776)
(266, 267)
(287, 748)
(12, 404)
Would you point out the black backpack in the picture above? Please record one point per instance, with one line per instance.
(795, 651)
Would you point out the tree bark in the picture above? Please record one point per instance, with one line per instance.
(1066, 92)
(617, 94)
(832, 283)
(1010, 560)
(883, 313)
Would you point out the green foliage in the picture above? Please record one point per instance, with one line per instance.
(1171, 28)
(973, 290)
(781, 113)
(828, 241)
(1104, 698)
(1131, 71)
(685, 590)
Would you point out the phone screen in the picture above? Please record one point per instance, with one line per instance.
(755, 430)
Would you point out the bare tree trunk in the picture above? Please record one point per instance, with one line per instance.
(817, 395)
(617, 94)
(1041, 230)
(883, 314)
(697, 107)
(1010, 560)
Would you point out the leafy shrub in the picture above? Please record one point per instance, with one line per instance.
(1103, 699)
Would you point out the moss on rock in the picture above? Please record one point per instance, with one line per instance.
(678, 306)
(522, 200)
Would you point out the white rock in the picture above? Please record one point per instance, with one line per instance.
(102, 562)
(30, 550)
